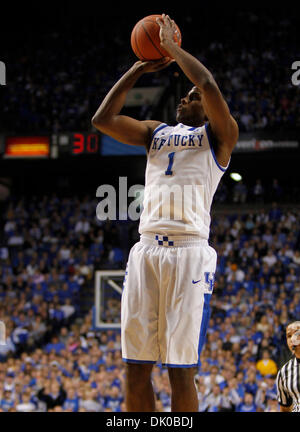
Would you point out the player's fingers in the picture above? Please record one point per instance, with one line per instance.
(154, 65)
(159, 21)
(161, 61)
(169, 62)
(164, 64)
(168, 19)
(165, 60)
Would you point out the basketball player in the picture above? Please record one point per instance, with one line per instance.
(288, 377)
(170, 271)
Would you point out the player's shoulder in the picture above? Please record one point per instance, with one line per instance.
(157, 127)
(152, 125)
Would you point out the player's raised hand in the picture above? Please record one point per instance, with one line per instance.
(167, 31)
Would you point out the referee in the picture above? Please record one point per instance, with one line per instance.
(288, 377)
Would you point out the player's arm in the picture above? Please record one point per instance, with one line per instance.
(223, 125)
(108, 119)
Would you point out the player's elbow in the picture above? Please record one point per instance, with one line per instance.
(98, 121)
(95, 120)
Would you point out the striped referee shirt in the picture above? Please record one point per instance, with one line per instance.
(288, 384)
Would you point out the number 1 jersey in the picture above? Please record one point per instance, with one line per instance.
(182, 176)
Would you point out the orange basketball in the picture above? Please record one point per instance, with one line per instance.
(145, 40)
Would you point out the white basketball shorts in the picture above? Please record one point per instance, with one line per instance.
(167, 287)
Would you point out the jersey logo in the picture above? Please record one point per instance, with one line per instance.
(177, 140)
(194, 282)
(209, 278)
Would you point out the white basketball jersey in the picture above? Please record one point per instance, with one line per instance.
(182, 175)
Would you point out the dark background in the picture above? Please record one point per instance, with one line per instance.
(25, 29)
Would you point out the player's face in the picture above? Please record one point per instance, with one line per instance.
(190, 111)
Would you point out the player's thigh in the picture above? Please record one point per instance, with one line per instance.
(139, 307)
(187, 310)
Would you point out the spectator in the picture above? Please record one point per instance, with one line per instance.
(89, 402)
(213, 399)
(258, 191)
(7, 401)
(240, 192)
(251, 383)
(247, 405)
(228, 400)
(26, 405)
(54, 345)
(266, 366)
(52, 395)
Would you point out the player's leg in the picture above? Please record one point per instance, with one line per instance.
(187, 291)
(139, 394)
(184, 393)
(139, 322)
(139, 309)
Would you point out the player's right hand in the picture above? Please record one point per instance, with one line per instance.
(153, 66)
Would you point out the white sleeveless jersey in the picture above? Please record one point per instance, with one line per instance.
(182, 175)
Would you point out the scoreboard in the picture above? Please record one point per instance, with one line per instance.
(64, 145)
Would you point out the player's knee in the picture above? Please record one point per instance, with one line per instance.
(182, 377)
(138, 374)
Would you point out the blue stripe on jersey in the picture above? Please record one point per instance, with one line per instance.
(163, 125)
(204, 323)
(211, 147)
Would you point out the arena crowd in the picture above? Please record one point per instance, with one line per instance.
(54, 360)
(51, 91)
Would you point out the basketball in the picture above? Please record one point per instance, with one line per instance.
(145, 40)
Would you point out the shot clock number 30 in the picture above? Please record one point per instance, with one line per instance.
(85, 143)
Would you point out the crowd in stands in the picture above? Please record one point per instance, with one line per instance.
(256, 192)
(49, 249)
(54, 360)
(260, 96)
(57, 79)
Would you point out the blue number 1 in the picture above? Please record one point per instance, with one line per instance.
(171, 161)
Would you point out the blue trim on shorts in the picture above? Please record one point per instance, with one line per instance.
(138, 361)
(179, 365)
(204, 323)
